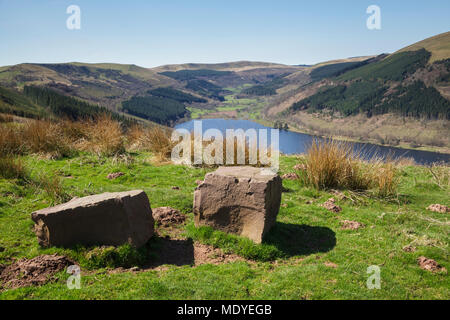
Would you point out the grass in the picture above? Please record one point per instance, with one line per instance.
(333, 164)
(290, 264)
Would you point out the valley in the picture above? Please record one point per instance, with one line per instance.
(399, 99)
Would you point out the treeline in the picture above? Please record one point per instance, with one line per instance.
(66, 107)
(157, 109)
(395, 67)
(368, 97)
(206, 88)
(176, 95)
(336, 69)
(266, 89)
(185, 75)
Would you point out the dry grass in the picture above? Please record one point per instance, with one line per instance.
(104, 136)
(11, 168)
(331, 164)
(6, 118)
(155, 139)
(441, 175)
(46, 137)
(10, 141)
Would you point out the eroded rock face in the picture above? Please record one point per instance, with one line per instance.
(240, 200)
(104, 219)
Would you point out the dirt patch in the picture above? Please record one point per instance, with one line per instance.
(289, 176)
(331, 205)
(36, 271)
(351, 225)
(331, 265)
(409, 248)
(115, 175)
(438, 208)
(167, 216)
(430, 265)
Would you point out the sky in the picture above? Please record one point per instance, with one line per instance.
(150, 33)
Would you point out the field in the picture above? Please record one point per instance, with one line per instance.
(307, 255)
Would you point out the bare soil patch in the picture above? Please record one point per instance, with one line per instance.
(36, 271)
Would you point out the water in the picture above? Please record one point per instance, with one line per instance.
(297, 143)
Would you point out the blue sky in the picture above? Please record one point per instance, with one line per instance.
(155, 32)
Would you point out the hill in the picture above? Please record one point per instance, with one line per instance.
(412, 83)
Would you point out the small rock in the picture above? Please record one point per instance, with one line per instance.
(175, 188)
(300, 167)
(331, 205)
(198, 182)
(351, 225)
(429, 265)
(284, 205)
(115, 175)
(438, 208)
(166, 216)
(409, 249)
(289, 176)
(135, 269)
(331, 265)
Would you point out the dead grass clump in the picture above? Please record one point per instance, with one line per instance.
(45, 137)
(441, 175)
(6, 118)
(52, 185)
(385, 178)
(158, 141)
(331, 164)
(12, 168)
(104, 136)
(10, 141)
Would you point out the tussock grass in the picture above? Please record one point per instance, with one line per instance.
(11, 168)
(104, 136)
(331, 164)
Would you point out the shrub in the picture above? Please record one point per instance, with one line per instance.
(10, 141)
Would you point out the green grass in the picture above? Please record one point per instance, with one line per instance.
(288, 265)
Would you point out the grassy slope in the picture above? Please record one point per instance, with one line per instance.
(301, 275)
(439, 46)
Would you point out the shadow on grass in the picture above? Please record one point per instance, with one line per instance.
(172, 252)
(294, 239)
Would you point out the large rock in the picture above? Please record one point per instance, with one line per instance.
(239, 200)
(104, 219)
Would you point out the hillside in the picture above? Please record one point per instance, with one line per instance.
(411, 84)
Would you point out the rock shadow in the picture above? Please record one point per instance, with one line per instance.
(172, 251)
(294, 239)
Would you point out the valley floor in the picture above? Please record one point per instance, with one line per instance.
(315, 258)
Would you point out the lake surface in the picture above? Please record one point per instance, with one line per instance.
(297, 143)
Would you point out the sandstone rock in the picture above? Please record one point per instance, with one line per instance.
(239, 200)
(167, 216)
(104, 219)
